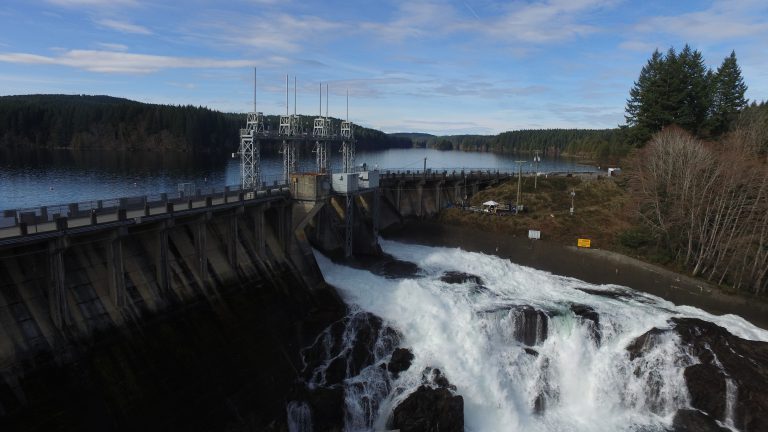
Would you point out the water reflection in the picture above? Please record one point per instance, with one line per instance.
(41, 177)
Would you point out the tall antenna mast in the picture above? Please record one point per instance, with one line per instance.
(326, 100)
(254, 90)
(286, 94)
(347, 104)
(294, 95)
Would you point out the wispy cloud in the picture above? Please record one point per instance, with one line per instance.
(415, 19)
(100, 3)
(639, 46)
(123, 26)
(272, 32)
(119, 62)
(545, 22)
(113, 46)
(723, 20)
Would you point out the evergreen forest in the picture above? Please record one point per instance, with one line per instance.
(104, 122)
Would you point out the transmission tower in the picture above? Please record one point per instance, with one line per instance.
(288, 148)
(250, 147)
(321, 131)
(348, 143)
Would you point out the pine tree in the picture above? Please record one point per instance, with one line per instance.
(644, 103)
(696, 100)
(729, 94)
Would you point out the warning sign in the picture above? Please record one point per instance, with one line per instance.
(585, 243)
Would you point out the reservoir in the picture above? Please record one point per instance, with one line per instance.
(45, 177)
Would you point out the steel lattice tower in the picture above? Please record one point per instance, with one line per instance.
(322, 130)
(250, 147)
(348, 145)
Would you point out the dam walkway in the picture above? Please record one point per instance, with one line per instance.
(20, 226)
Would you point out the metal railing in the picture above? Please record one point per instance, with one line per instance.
(24, 221)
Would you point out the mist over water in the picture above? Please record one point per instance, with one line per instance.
(567, 374)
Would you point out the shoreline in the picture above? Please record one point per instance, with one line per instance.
(595, 266)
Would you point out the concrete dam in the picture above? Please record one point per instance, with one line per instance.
(189, 311)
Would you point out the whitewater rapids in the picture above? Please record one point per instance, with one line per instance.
(466, 331)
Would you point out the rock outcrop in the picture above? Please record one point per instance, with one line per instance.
(433, 407)
(725, 361)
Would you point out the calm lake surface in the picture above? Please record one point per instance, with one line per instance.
(46, 177)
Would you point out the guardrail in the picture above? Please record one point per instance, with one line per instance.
(469, 173)
(25, 221)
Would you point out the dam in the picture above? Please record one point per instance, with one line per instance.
(103, 297)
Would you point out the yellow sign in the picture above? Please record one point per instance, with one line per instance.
(585, 243)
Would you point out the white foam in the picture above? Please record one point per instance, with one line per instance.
(588, 387)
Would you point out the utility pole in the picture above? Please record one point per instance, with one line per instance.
(573, 194)
(519, 184)
(536, 160)
(424, 172)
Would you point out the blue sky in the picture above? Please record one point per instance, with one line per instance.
(443, 67)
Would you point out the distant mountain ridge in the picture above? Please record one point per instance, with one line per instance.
(107, 122)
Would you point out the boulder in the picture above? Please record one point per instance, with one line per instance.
(455, 277)
(531, 325)
(722, 357)
(400, 361)
(327, 408)
(688, 420)
(706, 385)
(430, 410)
(588, 314)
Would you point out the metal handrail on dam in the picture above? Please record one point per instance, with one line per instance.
(18, 225)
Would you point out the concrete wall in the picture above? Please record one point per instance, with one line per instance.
(130, 292)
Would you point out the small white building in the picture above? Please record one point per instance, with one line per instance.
(344, 182)
(614, 172)
(369, 179)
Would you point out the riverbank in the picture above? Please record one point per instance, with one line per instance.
(590, 265)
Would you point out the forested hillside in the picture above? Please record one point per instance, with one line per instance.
(104, 122)
(603, 144)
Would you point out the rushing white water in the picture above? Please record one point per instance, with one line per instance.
(581, 382)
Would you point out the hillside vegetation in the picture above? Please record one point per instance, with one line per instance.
(104, 122)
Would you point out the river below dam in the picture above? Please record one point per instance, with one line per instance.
(526, 349)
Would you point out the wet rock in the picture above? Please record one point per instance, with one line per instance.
(587, 314)
(743, 361)
(400, 361)
(385, 265)
(706, 385)
(613, 294)
(327, 407)
(531, 351)
(644, 342)
(723, 357)
(531, 325)
(688, 420)
(435, 378)
(368, 328)
(336, 371)
(430, 410)
(456, 277)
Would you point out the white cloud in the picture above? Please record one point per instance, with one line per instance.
(119, 62)
(123, 26)
(723, 20)
(272, 32)
(639, 46)
(113, 46)
(544, 22)
(92, 3)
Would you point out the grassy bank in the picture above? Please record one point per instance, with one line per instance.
(601, 210)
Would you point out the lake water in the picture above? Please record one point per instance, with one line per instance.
(46, 177)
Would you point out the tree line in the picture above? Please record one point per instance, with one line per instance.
(699, 182)
(603, 144)
(678, 88)
(104, 122)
